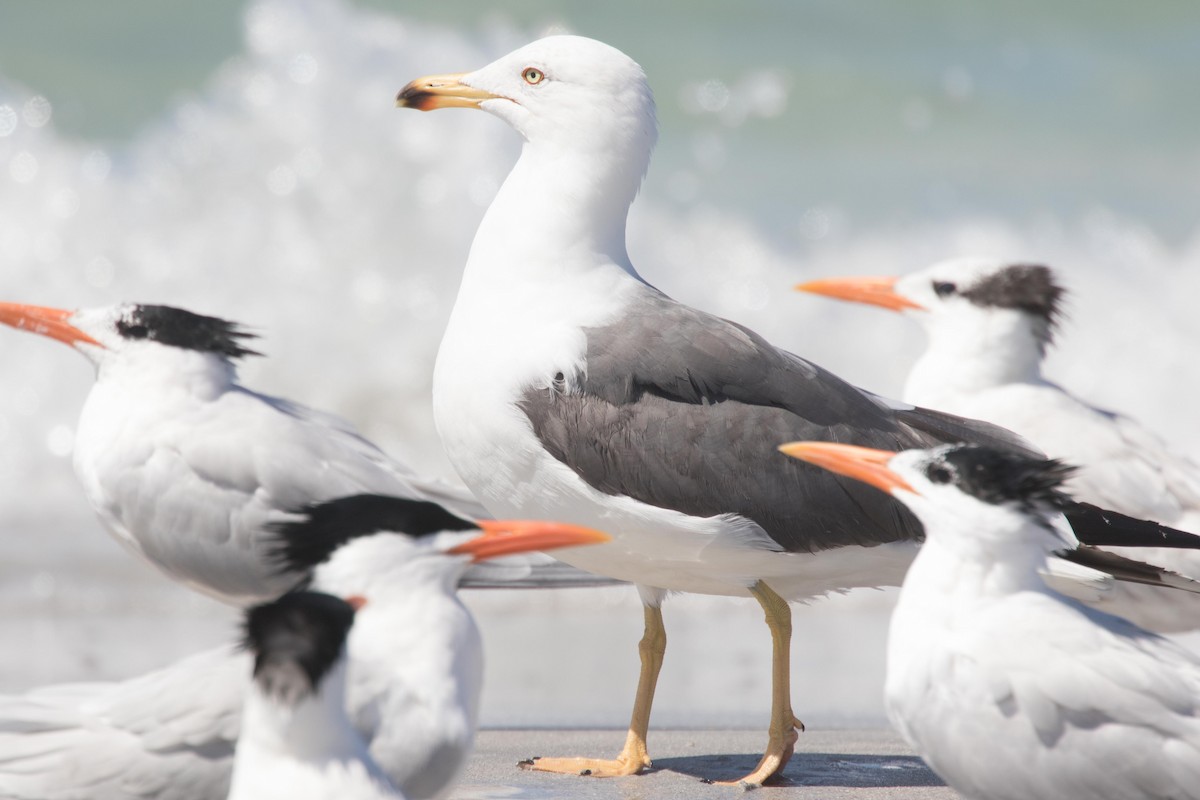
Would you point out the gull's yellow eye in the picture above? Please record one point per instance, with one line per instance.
(533, 75)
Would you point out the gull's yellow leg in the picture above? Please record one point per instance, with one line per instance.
(633, 757)
(785, 727)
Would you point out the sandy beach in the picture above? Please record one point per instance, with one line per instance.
(854, 763)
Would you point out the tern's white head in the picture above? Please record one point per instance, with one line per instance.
(399, 561)
(375, 545)
(976, 307)
(975, 500)
(131, 338)
(1016, 304)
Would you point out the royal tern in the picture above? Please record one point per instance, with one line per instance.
(989, 323)
(414, 674)
(567, 387)
(189, 469)
(1010, 690)
(296, 741)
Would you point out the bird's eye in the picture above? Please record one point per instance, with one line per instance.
(533, 76)
(136, 331)
(944, 288)
(938, 474)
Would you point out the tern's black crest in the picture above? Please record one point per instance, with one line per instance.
(996, 477)
(296, 640)
(327, 526)
(1026, 287)
(178, 328)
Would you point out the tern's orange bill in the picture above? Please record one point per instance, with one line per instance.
(50, 322)
(441, 91)
(861, 463)
(506, 537)
(874, 291)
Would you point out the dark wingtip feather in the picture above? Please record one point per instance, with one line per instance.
(1105, 528)
(1128, 569)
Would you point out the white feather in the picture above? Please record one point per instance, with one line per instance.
(986, 363)
(1011, 690)
(413, 694)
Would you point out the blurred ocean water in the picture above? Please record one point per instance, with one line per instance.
(248, 162)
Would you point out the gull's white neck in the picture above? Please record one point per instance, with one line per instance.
(559, 213)
(967, 356)
(548, 262)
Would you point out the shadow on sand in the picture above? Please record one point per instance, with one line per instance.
(811, 769)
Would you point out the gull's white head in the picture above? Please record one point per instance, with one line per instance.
(560, 92)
